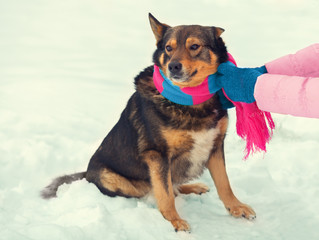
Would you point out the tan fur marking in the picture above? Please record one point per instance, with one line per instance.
(161, 59)
(179, 143)
(219, 31)
(222, 125)
(164, 197)
(218, 171)
(191, 41)
(177, 139)
(172, 42)
(197, 188)
(114, 182)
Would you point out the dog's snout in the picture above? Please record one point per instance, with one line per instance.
(175, 67)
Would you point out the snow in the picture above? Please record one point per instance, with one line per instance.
(66, 73)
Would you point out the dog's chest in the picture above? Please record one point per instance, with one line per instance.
(202, 147)
(189, 152)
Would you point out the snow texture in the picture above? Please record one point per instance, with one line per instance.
(66, 73)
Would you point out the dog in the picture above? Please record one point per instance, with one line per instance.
(158, 146)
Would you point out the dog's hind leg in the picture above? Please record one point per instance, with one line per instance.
(197, 188)
(113, 184)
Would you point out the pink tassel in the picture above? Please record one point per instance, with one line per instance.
(254, 126)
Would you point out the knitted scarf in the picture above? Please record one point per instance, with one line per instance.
(253, 125)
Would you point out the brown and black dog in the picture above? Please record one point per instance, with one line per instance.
(158, 146)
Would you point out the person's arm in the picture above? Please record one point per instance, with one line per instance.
(293, 95)
(304, 63)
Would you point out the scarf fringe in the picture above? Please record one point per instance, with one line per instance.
(254, 126)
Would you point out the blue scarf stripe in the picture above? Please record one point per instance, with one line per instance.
(176, 96)
(174, 93)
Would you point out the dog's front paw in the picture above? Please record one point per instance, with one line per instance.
(242, 210)
(180, 225)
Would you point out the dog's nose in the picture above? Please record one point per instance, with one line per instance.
(175, 67)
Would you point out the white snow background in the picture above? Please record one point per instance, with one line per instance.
(66, 73)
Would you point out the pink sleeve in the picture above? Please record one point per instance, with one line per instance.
(293, 95)
(303, 63)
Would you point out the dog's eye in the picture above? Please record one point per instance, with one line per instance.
(169, 48)
(194, 47)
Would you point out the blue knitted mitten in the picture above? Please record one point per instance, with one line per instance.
(238, 83)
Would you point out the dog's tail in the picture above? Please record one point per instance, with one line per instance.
(50, 190)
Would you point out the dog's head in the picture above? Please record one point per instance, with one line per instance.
(187, 54)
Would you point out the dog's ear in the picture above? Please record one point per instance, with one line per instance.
(218, 31)
(157, 28)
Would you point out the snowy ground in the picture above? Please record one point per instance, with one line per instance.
(66, 72)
